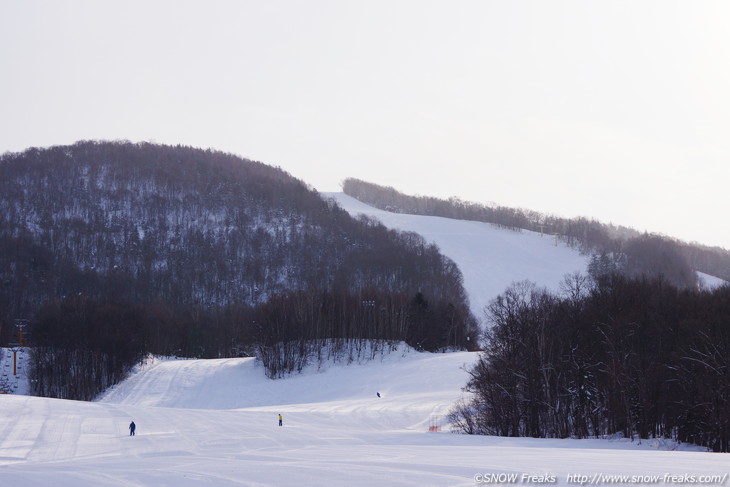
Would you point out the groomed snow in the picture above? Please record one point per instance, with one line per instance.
(214, 422)
(490, 258)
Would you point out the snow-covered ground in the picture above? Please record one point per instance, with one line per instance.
(710, 282)
(490, 258)
(214, 422)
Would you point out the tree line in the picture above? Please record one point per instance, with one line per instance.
(295, 329)
(611, 355)
(83, 345)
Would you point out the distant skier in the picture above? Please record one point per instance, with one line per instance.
(132, 427)
(281, 420)
(378, 394)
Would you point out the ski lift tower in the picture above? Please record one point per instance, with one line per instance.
(20, 324)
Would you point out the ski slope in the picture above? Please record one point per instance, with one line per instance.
(214, 422)
(490, 258)
(13, 371)
(707, 281)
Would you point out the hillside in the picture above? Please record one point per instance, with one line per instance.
(147, 222)
(624, 249)
(490, 257)
(113, 250)
(214, 421)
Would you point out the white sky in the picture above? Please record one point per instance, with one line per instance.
(617, 110)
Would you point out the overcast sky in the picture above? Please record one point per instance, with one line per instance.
(616, 110)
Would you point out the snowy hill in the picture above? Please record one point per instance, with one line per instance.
(213, 422)
(490, 258)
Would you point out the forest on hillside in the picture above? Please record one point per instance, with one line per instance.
(178, 250)
(628, 250)
(611, 355)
